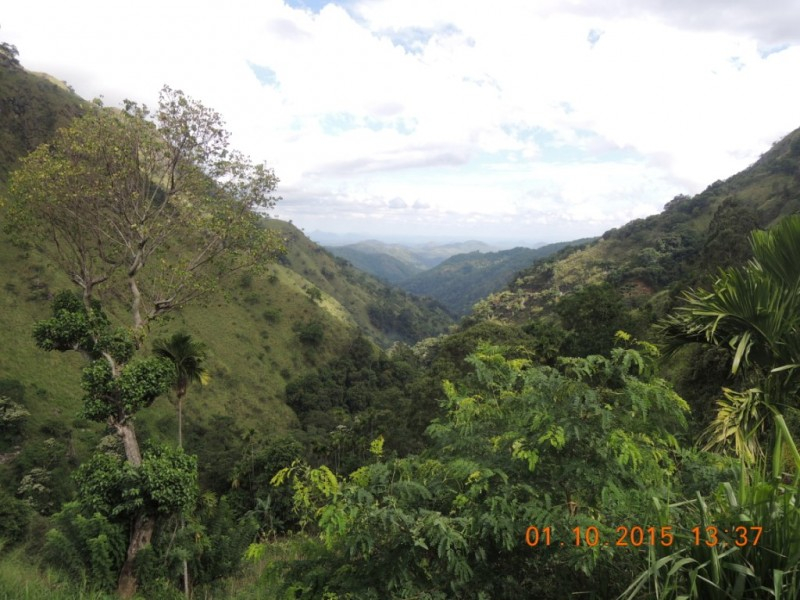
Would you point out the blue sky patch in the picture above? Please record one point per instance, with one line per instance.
(265, 75)
(414, 39)
(340, 122)
(765, 51)
(312, 5)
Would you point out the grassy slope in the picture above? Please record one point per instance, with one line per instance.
(249, 331)
(249, 327)
(250, 356)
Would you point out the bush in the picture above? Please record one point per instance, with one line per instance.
(271, 315)
(310, 333)
(15, 518)
(90, 548)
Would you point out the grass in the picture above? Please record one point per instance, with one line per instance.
(21, 579)
(260, 579)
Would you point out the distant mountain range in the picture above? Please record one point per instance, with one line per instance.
(396, 262)
(464, 279)
(455, 274)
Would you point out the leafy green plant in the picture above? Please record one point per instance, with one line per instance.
(754, 311)
(15, 517)
(734, 545)
(86, 547)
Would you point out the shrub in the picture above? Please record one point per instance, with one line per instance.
(310, 333)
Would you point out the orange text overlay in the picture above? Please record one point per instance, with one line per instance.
(636, 536)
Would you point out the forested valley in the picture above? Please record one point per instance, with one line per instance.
(196, 401)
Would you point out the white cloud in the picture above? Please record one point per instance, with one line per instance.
(551, 118)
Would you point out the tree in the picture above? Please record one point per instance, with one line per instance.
(188, 357)
(155, 202)
(592, 315)
(754, 311)
(150, 207)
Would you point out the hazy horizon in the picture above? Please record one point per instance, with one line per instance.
(327, 238)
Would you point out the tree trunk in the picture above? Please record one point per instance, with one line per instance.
(141, 534)
(186, 590)
(143, 526)
(180, 422)
(180, 394)
(127, 432)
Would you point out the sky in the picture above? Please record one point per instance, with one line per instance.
(511, 121)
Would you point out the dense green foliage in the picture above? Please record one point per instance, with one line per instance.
(591, 316)
(358, 397)
(583, 445)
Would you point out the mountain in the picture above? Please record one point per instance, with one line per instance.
(390, 261)
(32, 107)
(385, 313)
(650, 260)
(381, 264)
(455, 274)
(464, 279)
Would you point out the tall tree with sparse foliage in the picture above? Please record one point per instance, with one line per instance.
(151, 207)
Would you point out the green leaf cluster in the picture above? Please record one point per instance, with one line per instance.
(138, 384)
(165, 483)
(73, 326)
(87, 547)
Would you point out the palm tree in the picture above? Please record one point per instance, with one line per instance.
(754, 311)
(188, 357)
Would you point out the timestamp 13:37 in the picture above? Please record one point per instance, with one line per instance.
(636, 536)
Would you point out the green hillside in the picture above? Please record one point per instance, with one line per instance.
(32, 107)
(252, 332)
(380, 264)
(651, 259)
(264, 330)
